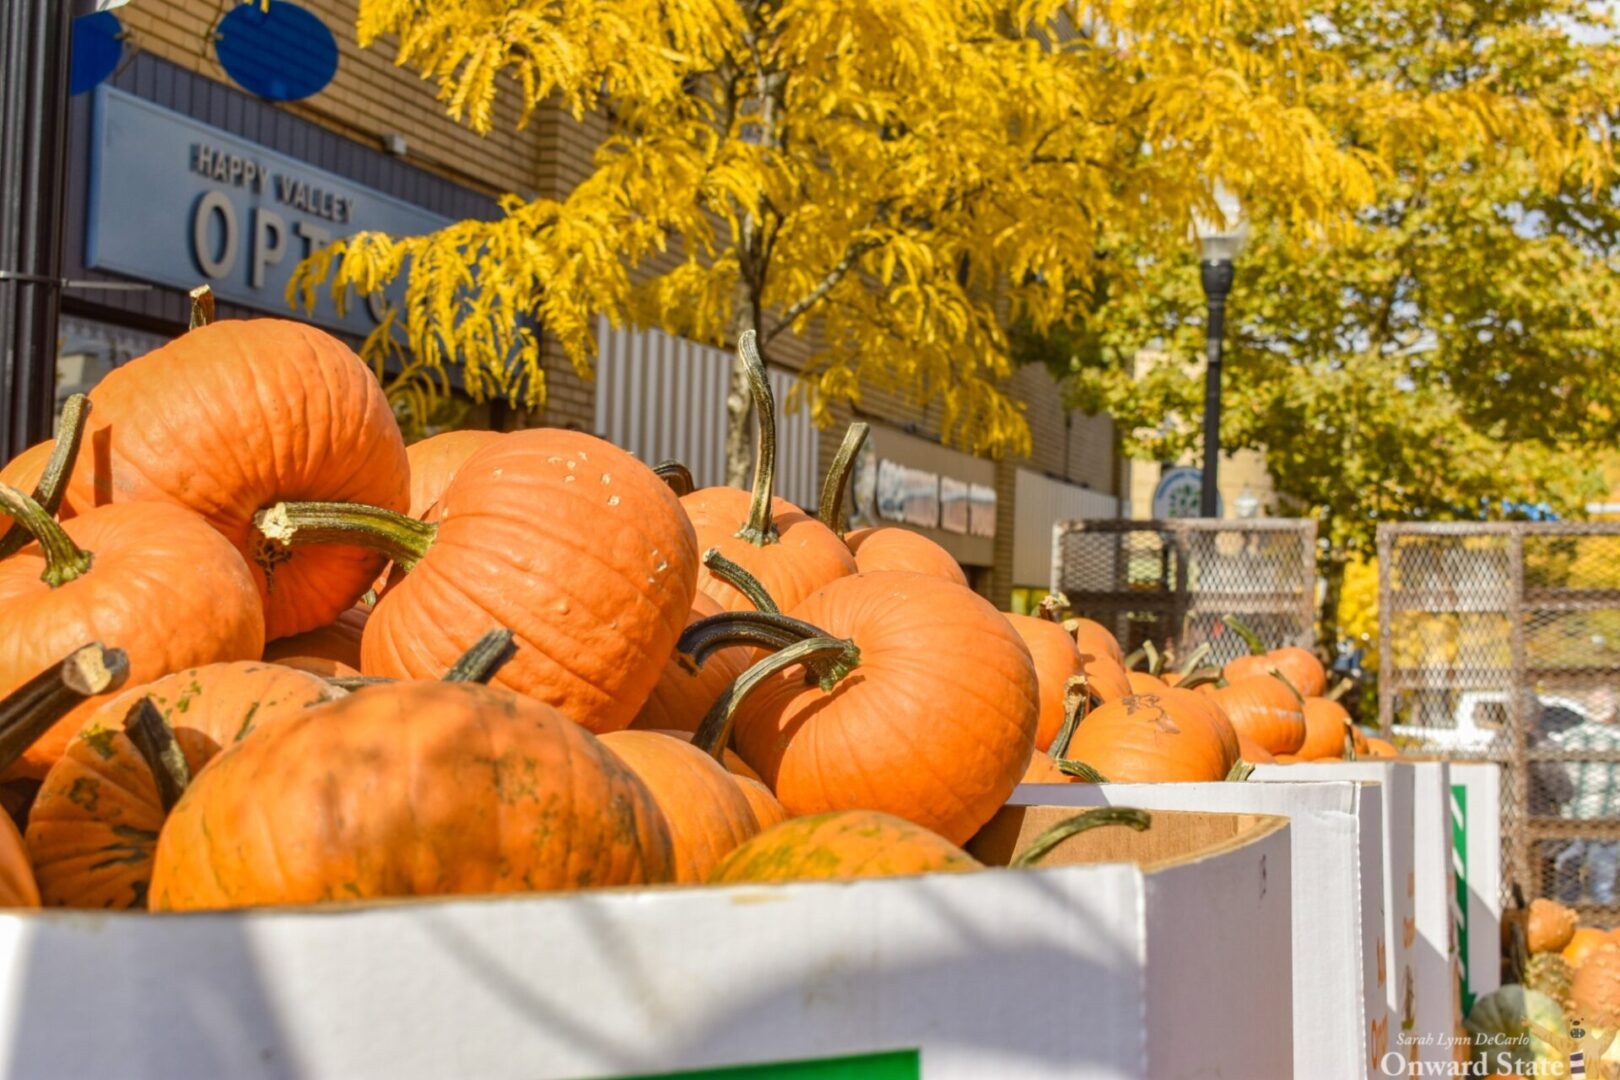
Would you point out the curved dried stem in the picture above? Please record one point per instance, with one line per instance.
(487, 656)
(29, 711)
(715, 731)
(1043, 845)
(677, 476)
(154, 740)
(835, 488)
(741, 580)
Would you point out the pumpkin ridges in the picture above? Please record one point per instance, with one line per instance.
(1267, 711)
(434, 462)
(842, 845)
(891, 548)
(1056, 661)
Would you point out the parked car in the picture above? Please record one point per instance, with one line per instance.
(1480, 718)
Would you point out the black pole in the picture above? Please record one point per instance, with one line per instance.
(1217, 279)
(34, 61)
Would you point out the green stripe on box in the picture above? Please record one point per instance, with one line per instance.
(894, 1065)
(1459, 858)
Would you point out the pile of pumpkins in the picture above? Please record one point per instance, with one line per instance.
(258, 651)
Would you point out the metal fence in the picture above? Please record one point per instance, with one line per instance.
(1501, 641)
(1171, 581)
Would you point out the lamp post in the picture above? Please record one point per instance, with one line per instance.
(1220, 242)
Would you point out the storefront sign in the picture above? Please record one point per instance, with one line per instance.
(181, 203)
(1180, 493)
(981, 511)
(926, 499)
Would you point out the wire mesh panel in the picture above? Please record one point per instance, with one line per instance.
(1501, 641)
(1171, 581)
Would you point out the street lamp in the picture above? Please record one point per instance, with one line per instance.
(1220, 242)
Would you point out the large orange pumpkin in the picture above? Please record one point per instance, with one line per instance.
(434, 462)
(929, 712)
(842, 845)
(891, 548)
(1299, 667)
(1267, 711)
(791, 554)
(685, 691)
(337, 643)
(572, 543)
(236, 416)
(152, 579)
(1056, 662)
(1327, 725)
(707, 813)
(95, 823)
(445, 788)
(1151, 738)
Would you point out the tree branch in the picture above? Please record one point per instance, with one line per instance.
(825, 285)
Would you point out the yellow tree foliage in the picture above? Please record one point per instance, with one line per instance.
(912, 175)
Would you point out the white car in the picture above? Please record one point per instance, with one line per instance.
(1479, 722)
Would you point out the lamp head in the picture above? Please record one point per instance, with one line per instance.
(1221, 238)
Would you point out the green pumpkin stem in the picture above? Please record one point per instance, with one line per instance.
(53, 481)
(1052, 607)
(1076, 704)
(1340, 690)
(299, 524)
(1277, 674)
(760, 629)
(487, 656)
(358, 682)
(1155, 659)
(1242, 630)
(677, 476)
(64, 560)
(1134, 657)
(1042, 846)
(1079, 770)
(154, 739)
(1350, 747)
(835, 489)
(1193, 680)
(1194, 658)
(715, 731)
(1241, 770)
(759, 530)
(741, 580)
(29, 711)
(202, 306)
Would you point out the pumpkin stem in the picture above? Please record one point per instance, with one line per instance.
(759, 530)
(760, 629)
(1076, 704)
(835, 489)
(298, 524)
(53, 481)
(677, 476)
(64, 560)
(154, 739)
(1154, 658)
(1195, 679)
(1280, 677)
(1040, 847)
(1340, 690)
(715, 732)
(29, 711)
(1195, 658)
(741, 580)
(1052, 607)
(1241, 770)
(358, 682)
(1242, 630)
(202, 306)
(1134, 657)
(487, 656)
(1349, 747)
(1080, 770)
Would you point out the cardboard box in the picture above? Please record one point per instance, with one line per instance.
(1439, 968)
(1476, 843)
(1341, 1025)
(1074, 969)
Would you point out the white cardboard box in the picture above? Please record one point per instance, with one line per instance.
(1438, 994)
(1107, 971)
(1341, 1027)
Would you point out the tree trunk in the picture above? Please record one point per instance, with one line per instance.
(740, 407)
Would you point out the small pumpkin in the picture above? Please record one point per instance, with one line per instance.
(1151, 738)
(1594, 992)
(1550, 926)
(707, 813)
(1299, 667)
(685, 691)
(1267, 711)
(95, 822)
(150, 578)
(1381, 748)
(924, 702)
(841, 845)
(1583, 942)
(236, 416)
(1101, 659)
(338, 643)
(791, 554)
(1056, 662)
(446, 788)
(434, 462)
(578, 547)
(1327, 724)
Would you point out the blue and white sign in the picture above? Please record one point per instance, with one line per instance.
(1180, 494)
(181, 203)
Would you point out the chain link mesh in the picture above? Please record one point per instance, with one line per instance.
(1501, 642)
(1171, 581)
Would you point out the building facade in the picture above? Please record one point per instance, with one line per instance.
(179, 177)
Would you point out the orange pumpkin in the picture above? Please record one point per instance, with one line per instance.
(1267, 711)
(338, 642)
(1043, 770)
(1594, 990)
(1550, 926)
(446, 788)
(791, 554)
(1148, 738)
(230, 419)
(152, 579)
(1585, 941)
(839, 846)
(1094, 640)
(95, 822)
(23, 472)
(1205, 707)
(1143, 683)
(1327, 724)
(734, 764)
(685, 691)
(434, 462)
(707, 813)
(1381, 748)
(578, 547)
(929, 713)
(1056, 662)
(889, 548)
(1253, 752)
(17, 888)
(767, 810)
(1299, 667)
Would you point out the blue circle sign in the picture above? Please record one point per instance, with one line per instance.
(284, 53)
(97, 47)
(1180, 494)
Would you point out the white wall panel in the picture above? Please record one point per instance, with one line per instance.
(1040, 503)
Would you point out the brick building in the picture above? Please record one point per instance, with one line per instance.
(179, 176)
